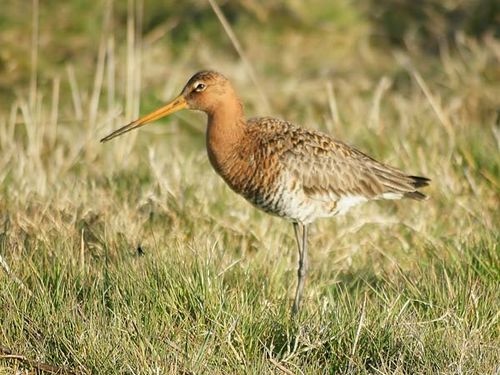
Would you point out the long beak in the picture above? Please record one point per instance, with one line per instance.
(175, 105)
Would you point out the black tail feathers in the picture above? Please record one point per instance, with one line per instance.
(418, 182)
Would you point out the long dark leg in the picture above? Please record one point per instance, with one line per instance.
(302, 270)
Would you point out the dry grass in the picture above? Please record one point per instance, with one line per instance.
(134, 257)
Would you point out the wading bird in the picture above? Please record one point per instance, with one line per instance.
(285, 170)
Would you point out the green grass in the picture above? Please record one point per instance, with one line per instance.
(134, 257)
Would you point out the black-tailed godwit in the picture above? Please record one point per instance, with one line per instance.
(285, 170)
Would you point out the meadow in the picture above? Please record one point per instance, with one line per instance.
(134, 257)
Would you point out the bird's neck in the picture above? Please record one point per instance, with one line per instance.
(225, 132)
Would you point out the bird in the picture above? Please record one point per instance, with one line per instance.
(285, 170)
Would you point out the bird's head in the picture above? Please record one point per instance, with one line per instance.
(204, 91)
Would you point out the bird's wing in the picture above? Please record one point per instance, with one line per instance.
(329, 169)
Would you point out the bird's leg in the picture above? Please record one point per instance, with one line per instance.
(302, 270)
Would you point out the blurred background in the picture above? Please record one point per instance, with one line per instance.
(320, 39)
(124, 255)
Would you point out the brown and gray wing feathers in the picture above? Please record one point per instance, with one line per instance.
(329, 169)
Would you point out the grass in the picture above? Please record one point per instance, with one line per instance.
(134, 257)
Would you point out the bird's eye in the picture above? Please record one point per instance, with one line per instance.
(200, 87)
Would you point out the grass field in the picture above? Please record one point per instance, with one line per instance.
(134, 257)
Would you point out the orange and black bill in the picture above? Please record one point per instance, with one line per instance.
(175, 105)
